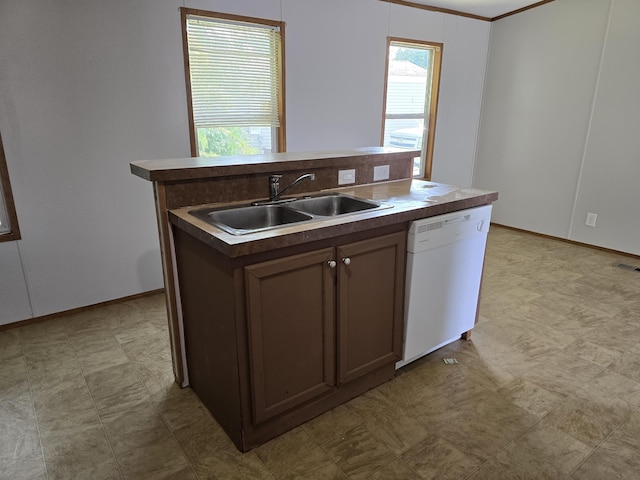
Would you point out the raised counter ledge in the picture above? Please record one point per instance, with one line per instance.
(410, 200)
(169, 170)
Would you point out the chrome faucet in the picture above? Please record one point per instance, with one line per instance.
(274, 185)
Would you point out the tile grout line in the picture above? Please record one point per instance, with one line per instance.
(325, 452)
(33, 404)
(155, 407)
(95, 406)
(604, 369)
(597, 447)
(504, 447)
(534, 424)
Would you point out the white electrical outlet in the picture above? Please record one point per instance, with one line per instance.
(380, 172)
(591, 219)
(346, 177)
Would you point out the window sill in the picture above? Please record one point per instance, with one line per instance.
(10, 237)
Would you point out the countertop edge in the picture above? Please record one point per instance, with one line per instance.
(316, 232)
(194, 168)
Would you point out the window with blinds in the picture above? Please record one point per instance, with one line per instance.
(235, 83)
(411, 98)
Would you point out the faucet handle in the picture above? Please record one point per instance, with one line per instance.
(274, 187)
(274, 183)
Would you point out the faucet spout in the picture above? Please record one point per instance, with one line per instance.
(274, 185)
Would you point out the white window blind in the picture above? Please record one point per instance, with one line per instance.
(234, 71)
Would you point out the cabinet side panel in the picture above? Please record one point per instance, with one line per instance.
(207, 299)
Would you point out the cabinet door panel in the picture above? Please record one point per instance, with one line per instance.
(370, 304)
(290, 307)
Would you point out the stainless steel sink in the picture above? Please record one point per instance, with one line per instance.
(255, 218)
(242, 220)
(332, 205)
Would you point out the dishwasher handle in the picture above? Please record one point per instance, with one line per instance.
(460, 219)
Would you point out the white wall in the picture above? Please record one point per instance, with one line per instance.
(558, 132)
(611, 171)
(462, 82)
(88, 86)
(85, 88)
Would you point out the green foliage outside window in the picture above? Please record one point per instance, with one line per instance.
(417, 56)
(222, 141)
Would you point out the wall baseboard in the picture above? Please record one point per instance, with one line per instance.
(566, 240)
(86, 308)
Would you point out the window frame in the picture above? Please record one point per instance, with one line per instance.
(430, 117)
(5, 184)
(280, 135)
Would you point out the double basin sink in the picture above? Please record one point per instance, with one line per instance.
(255, 218)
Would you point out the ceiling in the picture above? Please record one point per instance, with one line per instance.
(482, 8)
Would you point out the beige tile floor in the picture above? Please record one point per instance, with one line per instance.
(548, 388)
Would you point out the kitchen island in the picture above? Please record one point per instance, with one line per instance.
(278, 326)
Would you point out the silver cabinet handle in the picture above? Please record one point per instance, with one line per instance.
(346, 261)
(332, 263)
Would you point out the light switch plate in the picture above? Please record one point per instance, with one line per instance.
(380, 172)
(345, 177)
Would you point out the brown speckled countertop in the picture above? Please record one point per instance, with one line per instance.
(410, 200)
(181, 169)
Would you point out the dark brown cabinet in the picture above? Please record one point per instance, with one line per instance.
(274, 340)
(370, 304)
(300, 307)
(290, 320)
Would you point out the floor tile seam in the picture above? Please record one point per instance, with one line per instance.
(628, 404)
(449, 442)
(104, 430)
(440, 427)
(324, 450)
(164, 422)
(597, 447)
(271, 474)
(431, 434)
(504, 447)
(397, 459)
(318, 445)
(567, 398)
(405, 450)
(74, 342)
(622, 374)
(33, 405)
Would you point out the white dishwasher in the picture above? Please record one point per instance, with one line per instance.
(445, 256)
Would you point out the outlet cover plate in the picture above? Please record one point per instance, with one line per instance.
(380, 172)
(346, 177)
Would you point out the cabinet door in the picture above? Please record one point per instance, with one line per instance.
(370, 304)
(291, 317)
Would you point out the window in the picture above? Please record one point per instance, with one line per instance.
(235, 83)
(8, 220)
(411, 99)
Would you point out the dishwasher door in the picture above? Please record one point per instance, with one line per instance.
(445, 257)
